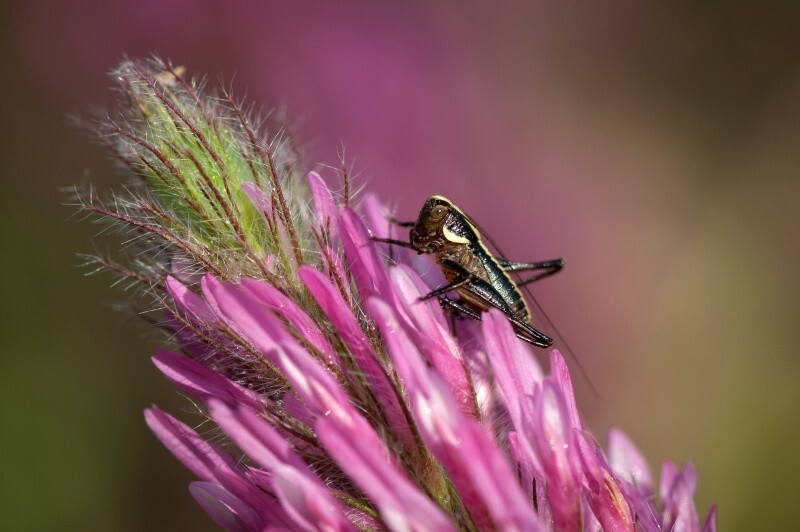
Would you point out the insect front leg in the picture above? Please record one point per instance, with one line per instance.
(394, 221)
(394, 242)
(401, 223)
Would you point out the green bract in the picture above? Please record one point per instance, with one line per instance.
(195, 152)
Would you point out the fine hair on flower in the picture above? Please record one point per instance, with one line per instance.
(343, 399)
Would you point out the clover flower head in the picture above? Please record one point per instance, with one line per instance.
(345, 400)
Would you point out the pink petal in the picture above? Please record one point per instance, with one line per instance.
(514, 366)
(259, 478)
(377, 217)
(474, 463)
(210, 463)
(224, 508)
(427, 315)
(543, 504)
(201, 382)
(484, 465)
(269, 262)
(307, 501)
(303, 501)
(199, 456)
(278, 302)
(366, 267)
(184, 269)
(560, 374)
(359, 451)
(244, 316)
(525, 473)
(258, 198)
(604, 494)
(628, 463)
(188, 302)
(255, 436)
(195, 347)
(253, 495)
(552, 440)
(517, 374)
(195, 310)
(315, 386)
(677, 494)
(333, 305)
(324, 207)
(711, 521)
(590, 522)
(428, 329)
(295, 408)
(531, 481)
(648, 517)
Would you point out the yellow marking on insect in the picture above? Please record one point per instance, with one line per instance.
(452, 237)
(461, 240)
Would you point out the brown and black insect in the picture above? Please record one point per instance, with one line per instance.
(481, 280)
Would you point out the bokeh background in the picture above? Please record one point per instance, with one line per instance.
(656, 148)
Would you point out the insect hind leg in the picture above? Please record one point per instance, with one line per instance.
(459, 309)
(524, 331)
(550, 267)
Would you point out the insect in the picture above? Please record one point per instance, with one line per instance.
(481, 279)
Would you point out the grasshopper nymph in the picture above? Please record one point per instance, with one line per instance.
(480, 279)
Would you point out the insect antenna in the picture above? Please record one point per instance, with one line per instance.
(560, 338)
(539, 311)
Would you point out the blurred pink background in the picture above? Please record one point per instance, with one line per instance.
(655, 148)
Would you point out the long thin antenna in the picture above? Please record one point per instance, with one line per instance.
(561, 340)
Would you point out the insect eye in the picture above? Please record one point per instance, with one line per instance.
(438, 211)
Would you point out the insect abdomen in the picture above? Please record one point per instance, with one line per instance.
(465, 249)
(514, 299)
